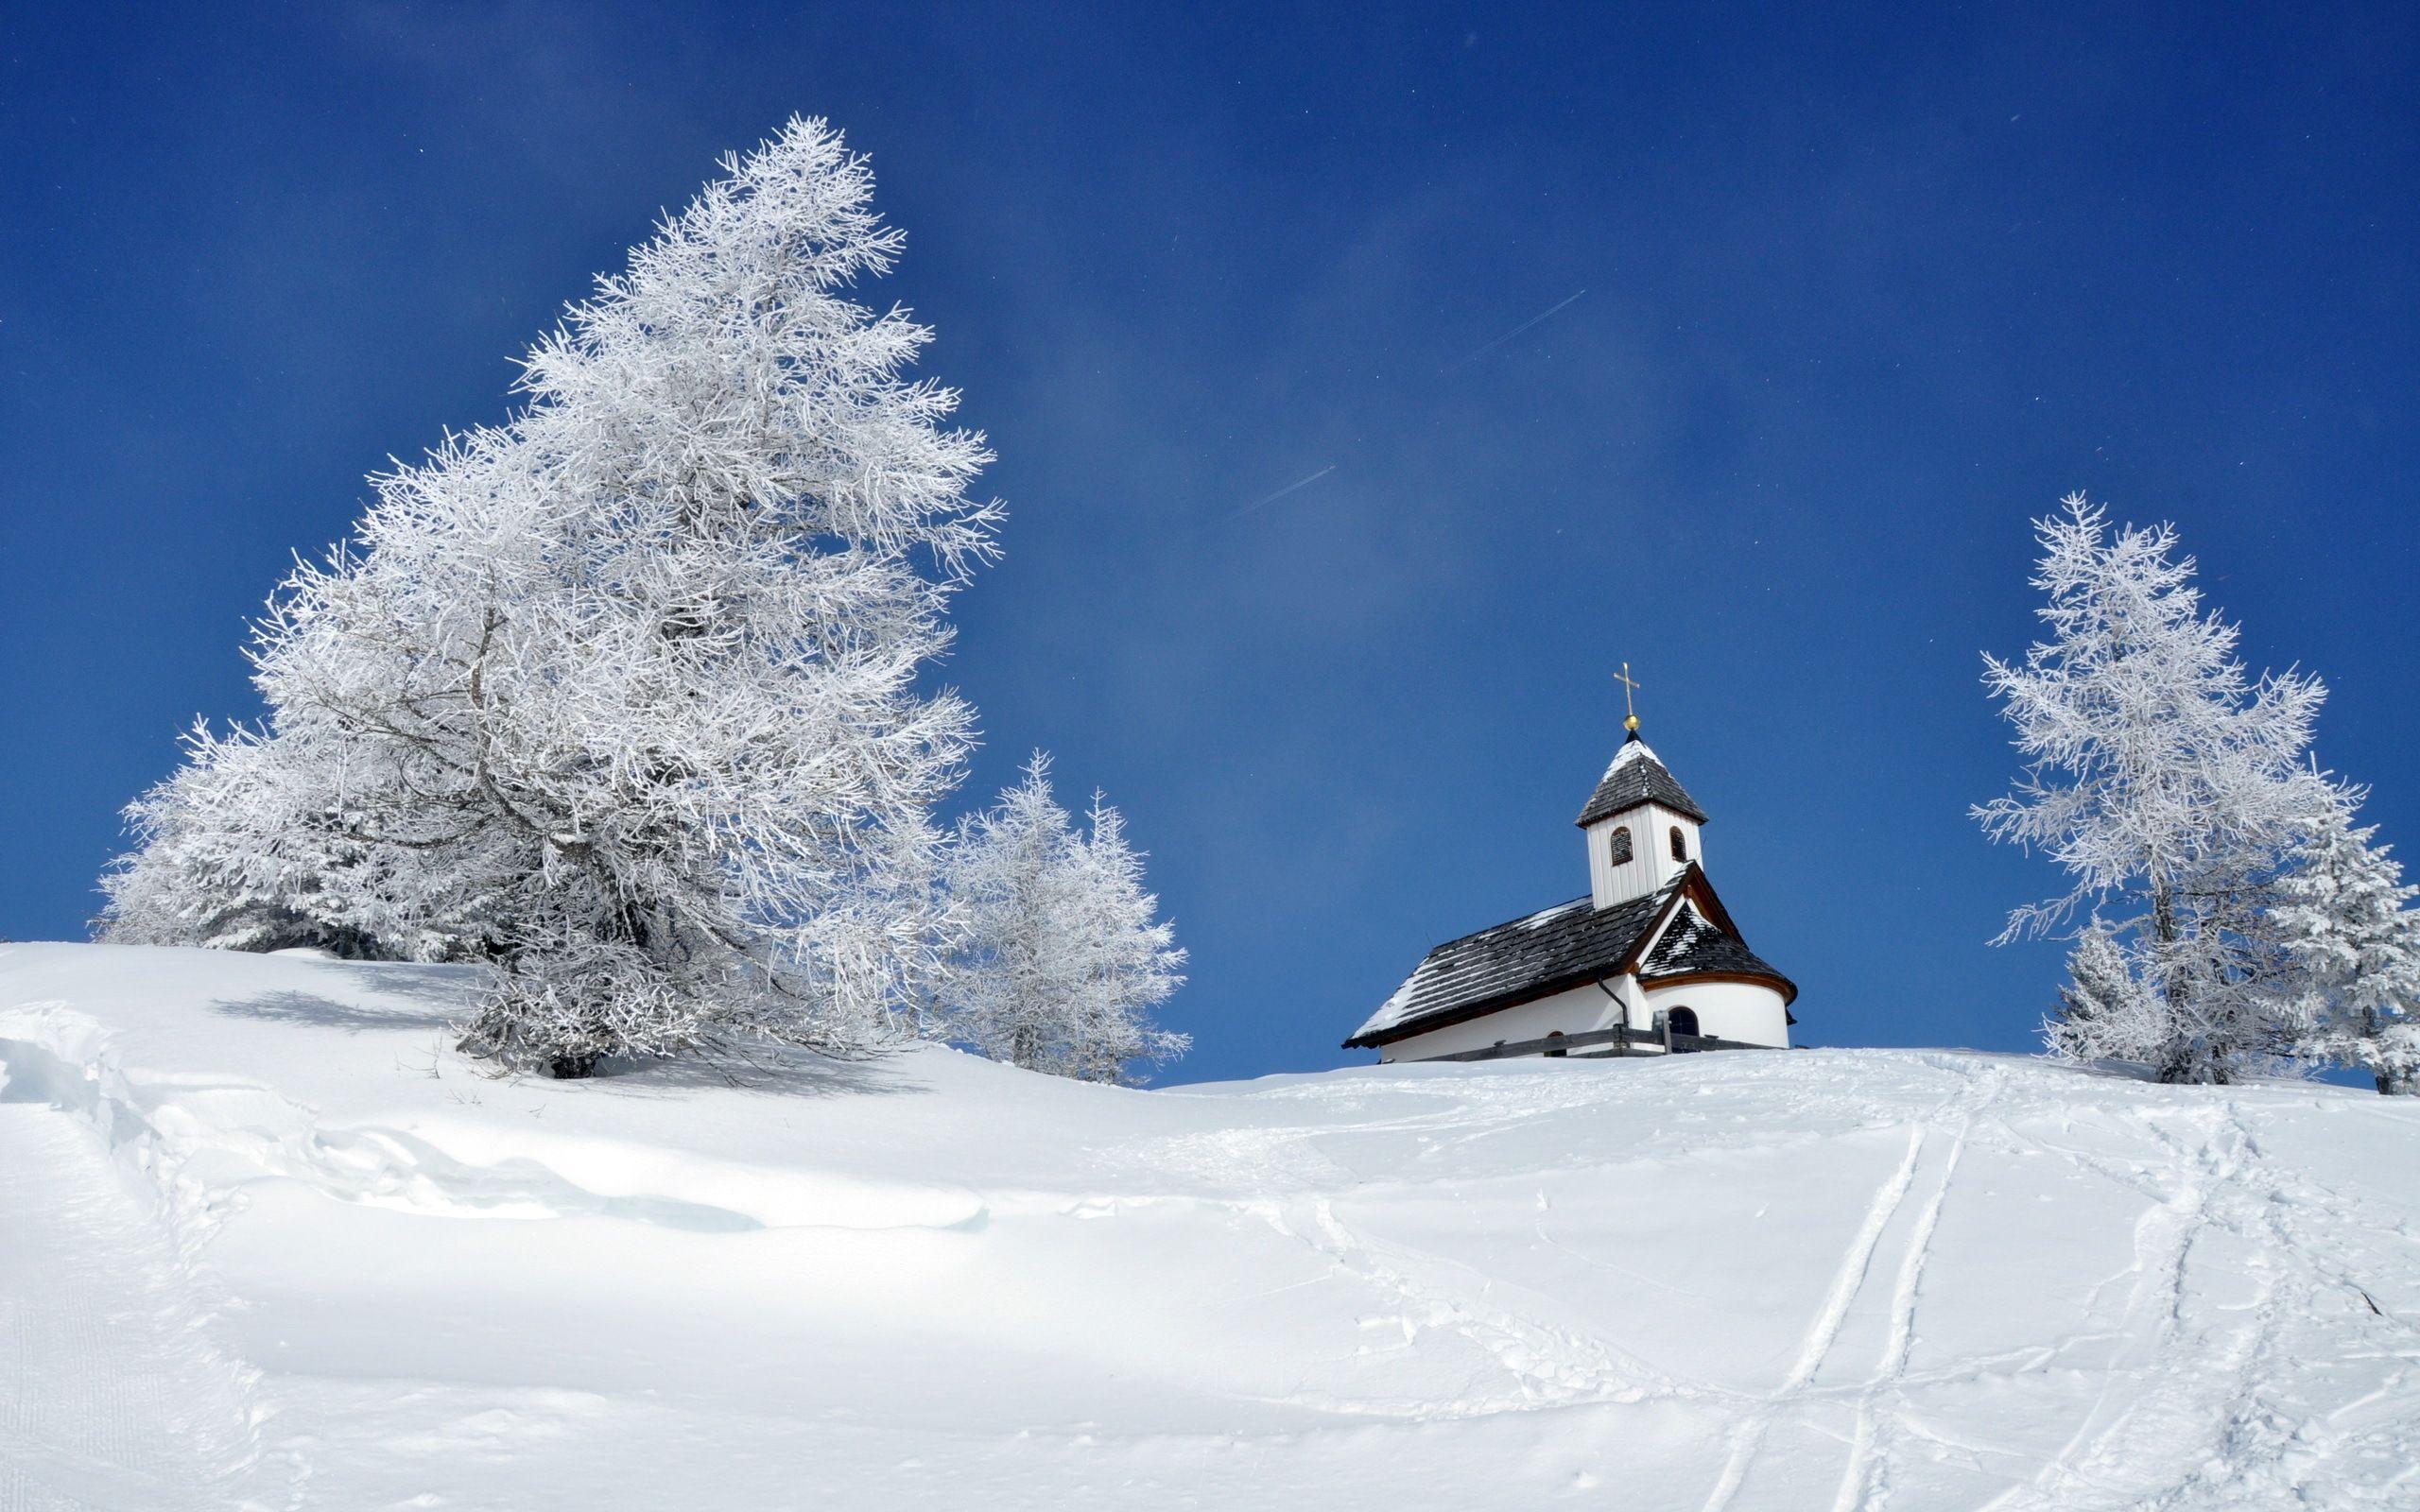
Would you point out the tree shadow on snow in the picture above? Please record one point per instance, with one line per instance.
(309, 1008)
(437, 997)
(448, 984)
(765, 1069)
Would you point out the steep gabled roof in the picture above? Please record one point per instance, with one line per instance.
(1635, 777)
(1695, 946)
(1547, 951)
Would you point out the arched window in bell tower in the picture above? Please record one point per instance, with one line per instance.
(1679, 845)
(1621, 846)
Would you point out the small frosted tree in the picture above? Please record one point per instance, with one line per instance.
(250, 846)
(635, 674)
(2169, 784)
(2345, 914)
(1009, 877)
(1063, 958)
(2103, 1010)
(1133, 957)
(206, 870)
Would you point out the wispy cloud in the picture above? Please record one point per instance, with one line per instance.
(1478, 351)
(1298, 483)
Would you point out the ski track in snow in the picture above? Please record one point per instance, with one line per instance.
(2152, 1329)
(2250, 1198)
(1748, 1439)
(1862, 1481)
(1849, 1283)
(112, 1395)
(2207, 1419)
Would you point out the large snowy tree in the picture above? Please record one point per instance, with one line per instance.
(2345, 914)
(638, 671)
(1063, 958)
(2171, 785)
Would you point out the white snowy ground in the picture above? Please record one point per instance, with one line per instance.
(264, 1242)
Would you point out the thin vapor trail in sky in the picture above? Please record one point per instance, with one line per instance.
(1483, 350)
(1298, 483)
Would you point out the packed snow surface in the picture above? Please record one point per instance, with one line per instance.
(266, 1241)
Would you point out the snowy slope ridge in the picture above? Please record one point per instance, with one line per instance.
(264, 1242)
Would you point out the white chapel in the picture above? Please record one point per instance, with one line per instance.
(1647, 963)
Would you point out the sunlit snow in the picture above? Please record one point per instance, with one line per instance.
(265, 1240)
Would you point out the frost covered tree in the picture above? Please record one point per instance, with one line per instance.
(2102, 1008)
(1134, 959)
(1010, 876)
(201, 876)
(248, 847)
(2170, 785)
(1063, 958)
(2345, 914)
(636, 673)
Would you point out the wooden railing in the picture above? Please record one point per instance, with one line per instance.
(1623, 1040)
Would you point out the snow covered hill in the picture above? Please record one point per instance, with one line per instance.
(264, 1242)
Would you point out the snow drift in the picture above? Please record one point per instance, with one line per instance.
(265, 1240)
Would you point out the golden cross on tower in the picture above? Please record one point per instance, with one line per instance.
(1629, 685)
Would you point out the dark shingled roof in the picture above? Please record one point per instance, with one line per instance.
(1635, 777)
(1693, 945)
(1547, 951)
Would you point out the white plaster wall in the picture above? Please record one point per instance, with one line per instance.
(1650, 864)
(1728, 1011)
(1577, 1011)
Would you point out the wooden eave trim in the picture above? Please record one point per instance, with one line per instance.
(1788, 989)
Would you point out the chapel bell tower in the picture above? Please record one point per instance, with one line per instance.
(1640, 825)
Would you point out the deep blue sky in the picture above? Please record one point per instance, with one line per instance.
(1862, 294)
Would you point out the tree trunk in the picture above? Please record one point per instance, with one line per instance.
(2186, 1061)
